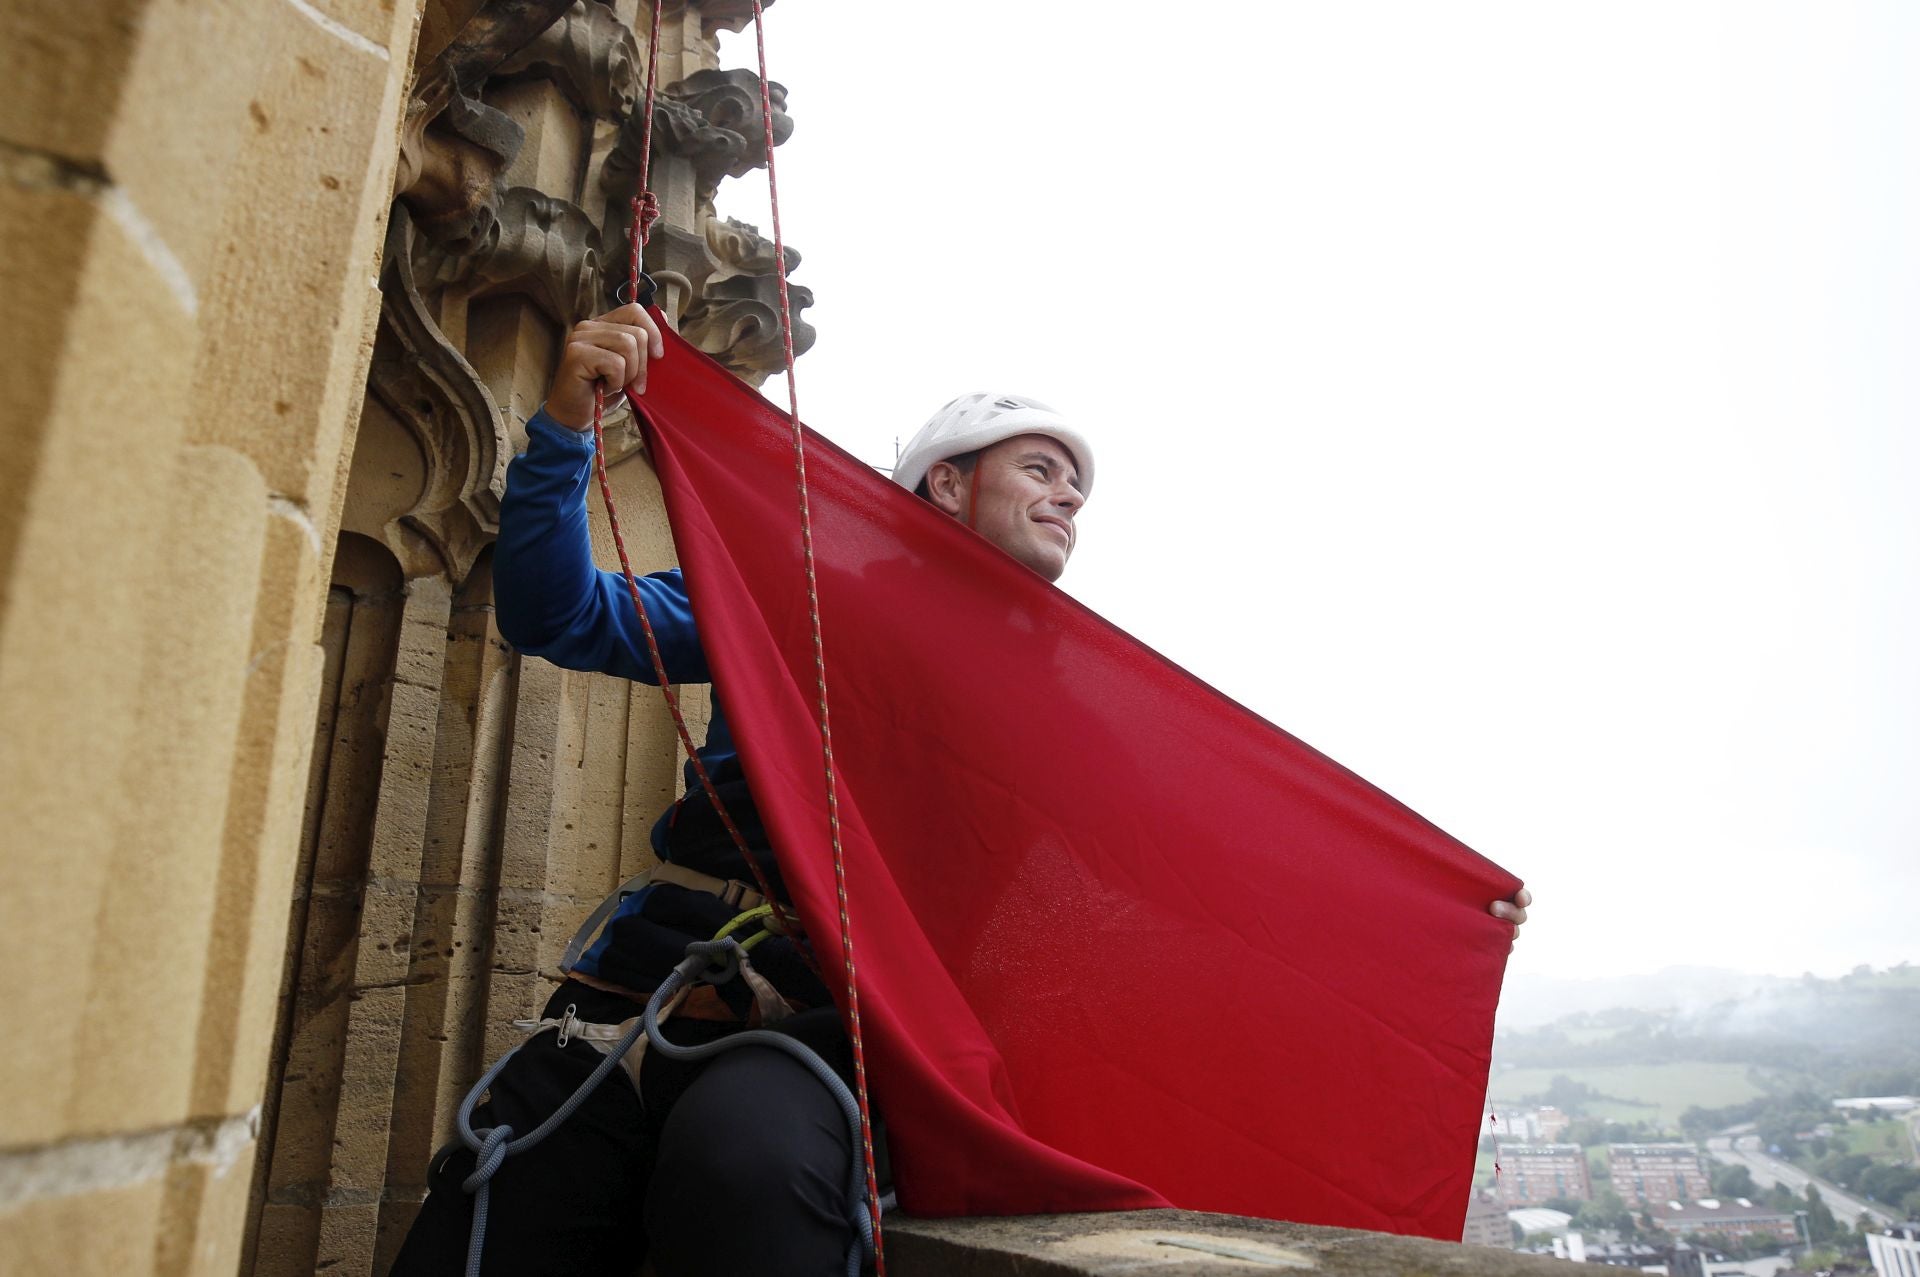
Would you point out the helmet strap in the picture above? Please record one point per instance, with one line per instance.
(973, 489)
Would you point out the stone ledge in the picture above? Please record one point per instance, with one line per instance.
(1178, 1243)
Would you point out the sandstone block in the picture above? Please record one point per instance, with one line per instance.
(96, 376)
(366, 1095)
(247, 952)
(1181, 1243)
(297, 247)
(149, 952)
(118, 1224)
(386, 23)
(261, 836)
(347, 1230)
(289, 1233)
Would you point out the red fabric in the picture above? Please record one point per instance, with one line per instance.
(1122, 943)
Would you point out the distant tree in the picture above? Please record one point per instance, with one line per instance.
(1607, 1210)
(1884, 1183)
(1734, 1181)
(1588, 1131)
(1565, 1205)
(1845, 1169)
(1822, 1227)
(1567, 1094)
(1901, 1081)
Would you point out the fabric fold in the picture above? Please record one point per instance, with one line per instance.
(1121, 942)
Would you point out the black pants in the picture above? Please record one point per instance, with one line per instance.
(737, 1165)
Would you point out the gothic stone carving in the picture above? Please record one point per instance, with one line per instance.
(730, 101)
(453, 147)
(437, 396)
(737, 321)
(544, 247)
(591, 55)
(711, 118)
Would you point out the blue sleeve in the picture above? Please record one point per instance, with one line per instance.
(549, 598)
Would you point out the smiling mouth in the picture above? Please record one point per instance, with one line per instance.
(1066, 533)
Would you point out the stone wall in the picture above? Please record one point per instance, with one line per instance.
(291, 835)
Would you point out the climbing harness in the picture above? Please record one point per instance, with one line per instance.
(730, 891)
(708, 962)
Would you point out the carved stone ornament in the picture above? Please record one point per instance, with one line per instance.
(737, 321)
(436, 395)
(741, 249)
(726, 15)
(453, 147)
(591, 55)
(711, 118)
(451, 169)
(538, 245)
(730, 101)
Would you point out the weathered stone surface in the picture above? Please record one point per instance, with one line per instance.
(144, 981)
(96, 373)
(1179, 1244)
(591, 54)
(313, 170)
(120, 1224)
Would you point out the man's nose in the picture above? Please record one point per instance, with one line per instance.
(1068, 497)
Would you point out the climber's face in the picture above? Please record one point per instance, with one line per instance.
(1021, 494)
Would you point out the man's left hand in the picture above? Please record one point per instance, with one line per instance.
(1514, 910)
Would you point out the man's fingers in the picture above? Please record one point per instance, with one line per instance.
(599, 363)
(1509, 911)
(635, 315)
(626, 342)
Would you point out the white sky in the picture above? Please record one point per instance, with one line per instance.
(1515, 401)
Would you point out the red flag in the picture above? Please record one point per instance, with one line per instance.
(1122, 943)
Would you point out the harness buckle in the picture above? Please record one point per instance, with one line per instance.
(568, 1024)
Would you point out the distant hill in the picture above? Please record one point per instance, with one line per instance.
(1528, 1001)
(1653, 1044)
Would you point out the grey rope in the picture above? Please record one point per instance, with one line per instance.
(716, 962)
(707, 962)
(494, 1145)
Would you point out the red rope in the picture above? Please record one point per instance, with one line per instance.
(645, 208)
(819, 654)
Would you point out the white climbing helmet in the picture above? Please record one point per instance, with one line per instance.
(981, 420)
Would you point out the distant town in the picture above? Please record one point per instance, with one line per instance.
(1773, 1134)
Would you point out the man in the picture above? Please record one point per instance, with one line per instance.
(738, 1165)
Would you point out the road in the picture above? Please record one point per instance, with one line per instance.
(1744, 1150)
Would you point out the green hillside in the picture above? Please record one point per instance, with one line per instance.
(1652, 1093)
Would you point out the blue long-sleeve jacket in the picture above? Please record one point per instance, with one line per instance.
(552, 602)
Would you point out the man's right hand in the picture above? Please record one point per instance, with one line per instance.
(611, 350)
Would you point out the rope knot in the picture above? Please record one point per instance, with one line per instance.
(487, 1157)
(646, 211)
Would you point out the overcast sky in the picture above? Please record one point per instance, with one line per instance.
(1517, 402)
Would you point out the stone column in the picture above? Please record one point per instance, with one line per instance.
(194, 199)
